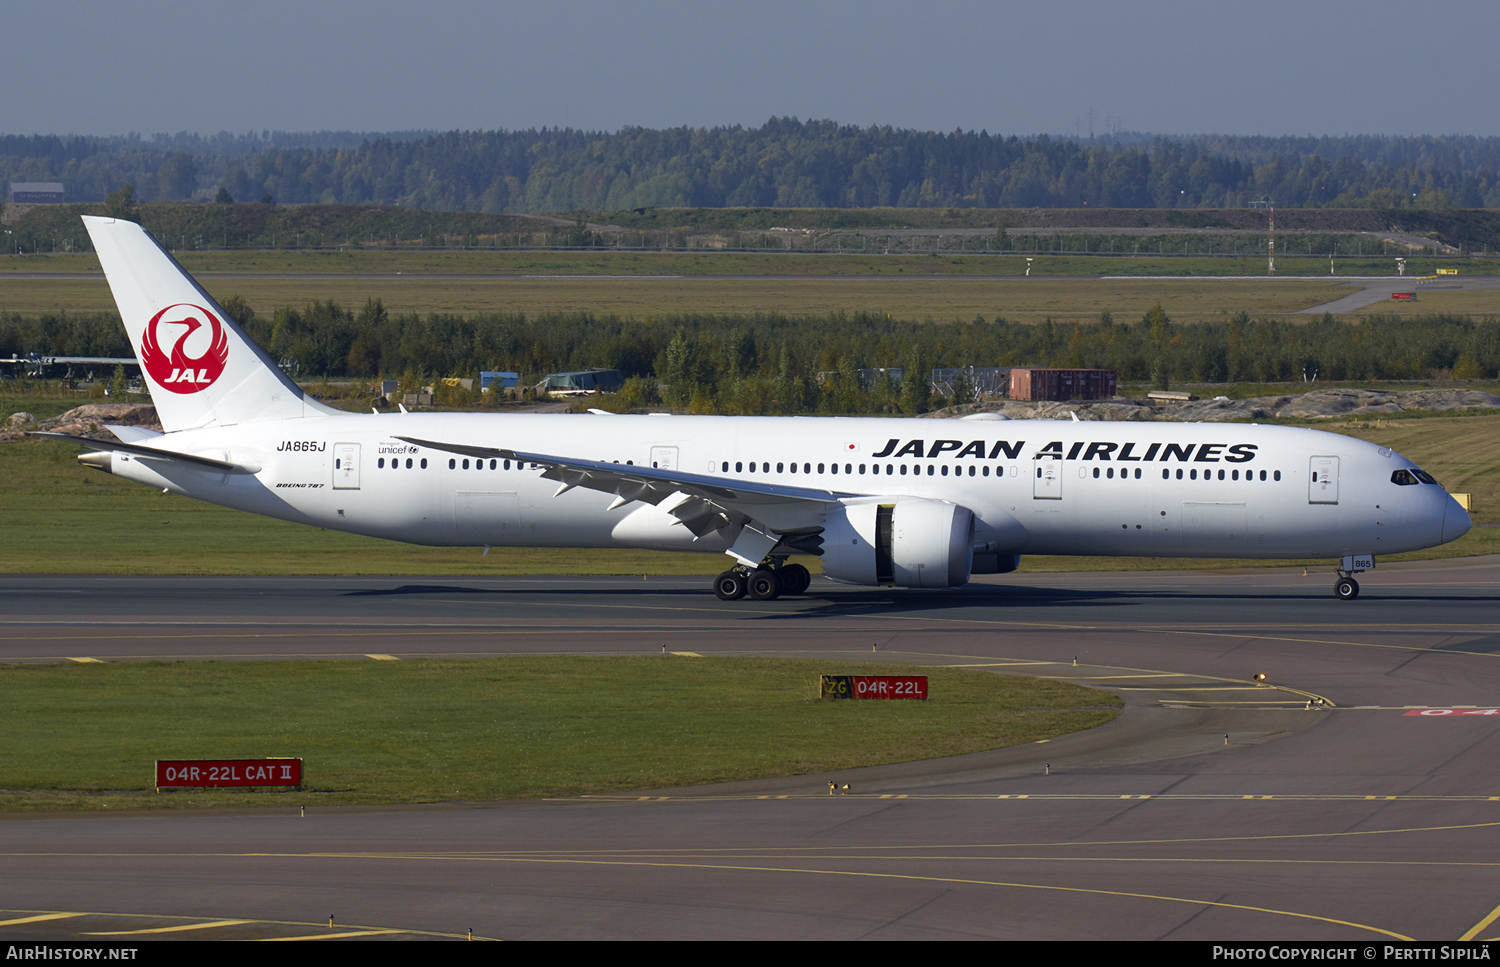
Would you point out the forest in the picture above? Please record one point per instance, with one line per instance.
(769, 364)
(784, 163)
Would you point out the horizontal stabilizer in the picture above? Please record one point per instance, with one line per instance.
(223, 466)
(132, 434)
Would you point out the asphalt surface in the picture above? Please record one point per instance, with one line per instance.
(1375, 290)
(1213, 809)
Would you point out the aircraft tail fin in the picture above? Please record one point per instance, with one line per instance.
(201, 368)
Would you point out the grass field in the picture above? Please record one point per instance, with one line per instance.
(59, 517)
(86, 736)
(1474, 302)
(903, 298)
(716, 262)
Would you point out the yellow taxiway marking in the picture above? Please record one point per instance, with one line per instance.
(686, 654)
(87, 661)
(355, 930)
(1473, 931)
(383, 657)
(1003, 663)
(730, 867)
(180, 928)
(332, 936)
(1221, 688)
(1090, 678)
(39, 918)
(1004, 884)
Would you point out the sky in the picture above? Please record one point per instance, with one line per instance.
(1065, 67)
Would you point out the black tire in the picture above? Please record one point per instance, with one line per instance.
(765, 586)
(795, 579)
(1347, 589)
(730, 586)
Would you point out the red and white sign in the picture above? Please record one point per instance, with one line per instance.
(184, 348)
(1440, 712)
(189, 773)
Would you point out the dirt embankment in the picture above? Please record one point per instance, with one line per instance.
(88, 420)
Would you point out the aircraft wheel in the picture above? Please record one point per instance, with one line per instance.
(730, 586)
(795, 579)
(1347, 589)
(765, 586)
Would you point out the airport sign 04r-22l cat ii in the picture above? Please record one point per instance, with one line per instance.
(906, 503)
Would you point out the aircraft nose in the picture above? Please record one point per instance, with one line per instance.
(1456, 521)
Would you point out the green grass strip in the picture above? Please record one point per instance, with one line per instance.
(86, 736)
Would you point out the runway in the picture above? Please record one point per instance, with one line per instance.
(1326, 804)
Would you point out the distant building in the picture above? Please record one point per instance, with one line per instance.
(489, 379)
(1035, 383)
(36, 193)
(583, 381)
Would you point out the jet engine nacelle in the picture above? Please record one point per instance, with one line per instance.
(910, 542)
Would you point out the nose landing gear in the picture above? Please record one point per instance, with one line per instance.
(1346, 587)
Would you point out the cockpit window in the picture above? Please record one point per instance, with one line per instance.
(1409, 478)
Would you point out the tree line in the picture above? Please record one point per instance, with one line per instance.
(783, 163)
(775, 364)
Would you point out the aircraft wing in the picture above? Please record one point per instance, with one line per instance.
(223, 466)
(712, 502)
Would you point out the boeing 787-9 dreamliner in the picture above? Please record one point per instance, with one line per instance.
(906, 503)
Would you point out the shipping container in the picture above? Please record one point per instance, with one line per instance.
(1061, 384)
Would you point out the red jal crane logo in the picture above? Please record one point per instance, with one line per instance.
(184, 328)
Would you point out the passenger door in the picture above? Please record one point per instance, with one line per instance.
(1046, 478)
(346, 466)
(1323, 480)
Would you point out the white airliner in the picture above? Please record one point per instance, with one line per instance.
(908, 503)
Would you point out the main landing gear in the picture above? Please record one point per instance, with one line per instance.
(766, 583)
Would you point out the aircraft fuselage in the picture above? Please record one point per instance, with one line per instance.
(1035, 487)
